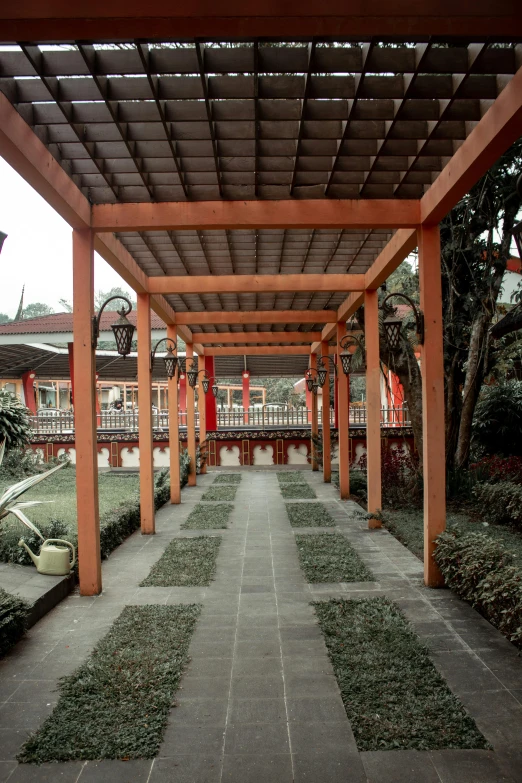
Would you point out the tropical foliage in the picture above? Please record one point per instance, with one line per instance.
(14, 422)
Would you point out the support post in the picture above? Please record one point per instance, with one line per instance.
(433, 430)
(172, 386)
(309, 396)
(327, 444)
(210, 400)
(183, 393)
(191, 422)
(246, 395)
(343, 420)
(336, 399)
(145, 416)
(85, 415)
(373, 404)
(315, 427)
(202, 408)
(70, 351)
(28, 391)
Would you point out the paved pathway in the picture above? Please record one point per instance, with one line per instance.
(259, 702)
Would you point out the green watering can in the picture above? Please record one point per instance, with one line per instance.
(52, 559)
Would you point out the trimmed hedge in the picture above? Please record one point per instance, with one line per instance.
(13, 620)
(481, 571)
(220, 493)
(503, 501)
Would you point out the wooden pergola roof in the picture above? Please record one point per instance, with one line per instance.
(257, 176)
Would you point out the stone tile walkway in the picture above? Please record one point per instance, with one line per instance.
(259, 702)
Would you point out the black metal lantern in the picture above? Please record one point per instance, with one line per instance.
(215, 389)
(315, 387)
(309, 383)
(192, 376)
(205, 383)
(170, 359)
(392, 323)
(123, 329)
(346, 356)
(321, 376)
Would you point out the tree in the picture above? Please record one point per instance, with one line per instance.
(101, 296)
(67, 306)
(37, 309)
(4, 318)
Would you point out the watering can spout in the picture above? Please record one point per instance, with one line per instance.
(33, 557)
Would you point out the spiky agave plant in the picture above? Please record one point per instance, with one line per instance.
(8, 504)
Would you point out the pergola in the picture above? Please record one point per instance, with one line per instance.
(255, 174)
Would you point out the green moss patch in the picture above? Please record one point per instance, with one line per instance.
(393, 695)
(207, 517)
(309, 515)
(185, 562)
(220, 493)
(291, 477)
(328, 557)
(297, 491)
(228, 478)
(116, 704)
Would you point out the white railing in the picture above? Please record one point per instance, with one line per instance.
(62, 422)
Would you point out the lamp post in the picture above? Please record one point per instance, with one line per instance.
(392, 323)
(322, 371)
(122, 328)
(170, 359)
(346, 356)
(192, 376)
(312, 383)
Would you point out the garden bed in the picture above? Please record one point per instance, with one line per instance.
(328, 557)
(115, 706)
(185, 562)
(297, 491)
(309, 515)
(221, 493)
(204, 517)
(393, 695)
(228, 478)
(291, 477)
(14, 615)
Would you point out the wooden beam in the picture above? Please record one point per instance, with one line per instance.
(24, 151)
(114, 21)
(230, 215)
(500, 127)
(256, 317)
(216, 338)
(259, 350)
(259, 284)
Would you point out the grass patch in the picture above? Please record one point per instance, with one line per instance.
(228, 478)
(185, 562)
(309, 515)
(328, 557)
(393, 695)
(297, 491)
(116, 704)
(207, 517)
(220, 493)
(13, 620)
(407, 527)
(291, 477)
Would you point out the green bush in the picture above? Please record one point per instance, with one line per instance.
(501, 503)
(10, 552)
(14, 421)
(13, 620)
(481, 571)
(497, 423)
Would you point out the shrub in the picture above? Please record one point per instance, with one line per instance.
(497, 468)
(497, 424)
(14, 421)
(19, 463)
(400, 476)
(13, 620)
(481, 571)
(10, 552)
(502, 500)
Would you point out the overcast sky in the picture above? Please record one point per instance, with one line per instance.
(38, 249)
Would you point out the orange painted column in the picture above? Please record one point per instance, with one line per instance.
(172, 386)
(28, 390)
(343, 423)
(191, 420)
(210, 401)
(246, 395)
(373, 404)
(145, 416)
(327, 443)
(202, 408)
(89, 560)
(314, 423)
(183, 393)
(433, 430)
